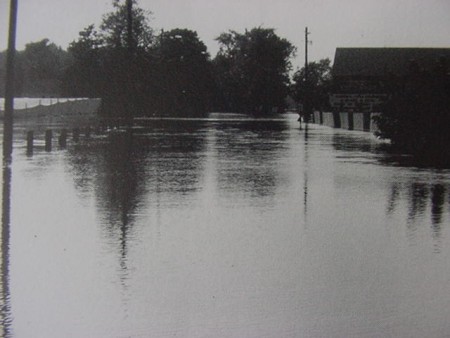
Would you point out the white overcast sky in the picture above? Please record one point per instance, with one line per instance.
(333, 23)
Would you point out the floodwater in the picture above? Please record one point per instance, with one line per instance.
(224, 227)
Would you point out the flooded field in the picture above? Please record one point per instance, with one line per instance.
(224, 227)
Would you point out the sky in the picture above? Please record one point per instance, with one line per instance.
(332, 23)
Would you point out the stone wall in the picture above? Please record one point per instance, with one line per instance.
(345, 120)
(358, 121)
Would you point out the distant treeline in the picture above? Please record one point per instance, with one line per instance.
(140, 72)
(39, 70)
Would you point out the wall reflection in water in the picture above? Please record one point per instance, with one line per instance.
(424, 199)
(426, 203)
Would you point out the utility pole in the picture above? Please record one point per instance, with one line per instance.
(9, 85)
(306, 53)
(7, 158)
(306, 107)
(130, 41)
(129, 104)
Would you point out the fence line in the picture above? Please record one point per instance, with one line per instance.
(347, 120)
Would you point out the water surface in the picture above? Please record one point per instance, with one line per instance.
(225, 227)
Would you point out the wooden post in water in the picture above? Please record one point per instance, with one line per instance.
(306, 103)
(88, 132)
(48, 140)
(9, 85)
(100, 129)
(30, 139)
(76, 135)
(129, 84)
(63, 138)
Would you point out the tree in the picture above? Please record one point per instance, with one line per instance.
(19, 75)
(83, 77)
(39, 69)
(128, 37)
(110, 63)
(312, 90)
(184, 72)
(139, 73)
(416, 117)
(252, 70)
(114, 27)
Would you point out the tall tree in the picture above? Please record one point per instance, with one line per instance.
(114, 26)
(139, 73)
(110, 63)
(253, 70)
(40, 68)
(185, 73)
(312, 90)
(416, 117)
(18, 74)
(84, 75)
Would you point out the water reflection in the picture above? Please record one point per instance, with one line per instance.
(134, 173)
(437, 208)
(248, 156)
(424, 200)
(417, 197)
(176, 159)
(161, 253)
(393, 197)
(355, 142)
(118, 191)
(305, 172)
(5, 309)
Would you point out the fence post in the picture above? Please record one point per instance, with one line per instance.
(30, 137)
(76, 135)
(63, 138)
(48, 140)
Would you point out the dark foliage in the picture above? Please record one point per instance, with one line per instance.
(252, 71)
(140, 74)
(183, 71)
(39, 69)
(312, 90)
(416, 118)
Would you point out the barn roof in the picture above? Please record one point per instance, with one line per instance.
(379, 61)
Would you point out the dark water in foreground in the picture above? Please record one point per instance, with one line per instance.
(225, 228)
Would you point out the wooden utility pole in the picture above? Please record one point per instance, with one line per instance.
(306, 107)
(7, 158)
(306, 53)
(130, 39)
(129, 99)
(9, 85)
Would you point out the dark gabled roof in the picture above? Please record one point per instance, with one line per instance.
(380, 61)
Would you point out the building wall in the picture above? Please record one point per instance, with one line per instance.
(358, 121)
(344, 120)
(349, 121)
(328, 119)
(318, 117)
(356, 102)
